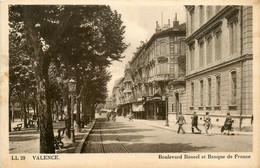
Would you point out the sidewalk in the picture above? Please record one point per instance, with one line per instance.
(187, 127)
(28, 140)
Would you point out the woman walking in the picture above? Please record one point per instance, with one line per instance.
(207, 123)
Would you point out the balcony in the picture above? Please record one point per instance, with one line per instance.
(128, 91)
(162, 77)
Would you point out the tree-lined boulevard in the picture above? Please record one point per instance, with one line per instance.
(58, 58)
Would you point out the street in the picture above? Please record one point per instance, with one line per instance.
(123, 136)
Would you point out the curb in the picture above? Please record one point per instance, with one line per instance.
(214, 133)
(81, 144)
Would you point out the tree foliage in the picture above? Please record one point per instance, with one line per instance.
(50, 44)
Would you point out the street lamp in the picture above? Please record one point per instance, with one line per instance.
(72, 89)
(166, 109)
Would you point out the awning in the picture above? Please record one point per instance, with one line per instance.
(116, 110)
(137, 107)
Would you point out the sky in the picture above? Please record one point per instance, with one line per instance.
(140, 24)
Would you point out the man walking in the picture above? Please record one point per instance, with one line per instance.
(194, 123)
(181, 120)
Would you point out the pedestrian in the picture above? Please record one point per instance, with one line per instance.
(228, 124)
(114, 116)
(194, 123)
(131, 117)
(207, 123)
(108, 116)
(181, 120)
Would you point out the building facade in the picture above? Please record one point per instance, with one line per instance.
(219, 63)
(156, 70)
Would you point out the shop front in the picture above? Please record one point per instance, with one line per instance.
(138, 110)
(155, 107)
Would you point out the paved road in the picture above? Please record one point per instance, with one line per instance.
(137, 137)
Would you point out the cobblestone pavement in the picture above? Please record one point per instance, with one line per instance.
(123, 136)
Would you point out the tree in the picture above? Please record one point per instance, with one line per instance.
(21, 75)
(91, 36)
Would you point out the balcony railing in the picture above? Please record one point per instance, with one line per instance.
(161, 77)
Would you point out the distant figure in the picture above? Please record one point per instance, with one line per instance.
(131, 117)
(108, 116)
(228, 124)
(114, 116)
(207, 123)
(252, 119)
(181, 120)
(194, 123)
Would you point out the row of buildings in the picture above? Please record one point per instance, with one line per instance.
(203, 65)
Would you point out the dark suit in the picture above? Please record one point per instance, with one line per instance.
(194, 123)
(180, 122)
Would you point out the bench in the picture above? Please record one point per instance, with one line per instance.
(18, 127)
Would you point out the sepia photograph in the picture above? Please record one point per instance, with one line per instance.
(175, 81)
(185, 87)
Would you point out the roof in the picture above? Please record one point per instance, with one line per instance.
(181, 29)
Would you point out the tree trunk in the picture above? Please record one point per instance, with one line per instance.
(93, 111)
(34, 108)
(10, 119)
(78, 116)
(46, 127)
(52, 110)
(57, 111)
(28, 109)
(24, 115)
(61, 112)
(12, 111)
(21, 110)
(84, 110)
(66, 105)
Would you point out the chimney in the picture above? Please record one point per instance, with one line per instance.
(175, 22)
(169, 23)
(157, 29)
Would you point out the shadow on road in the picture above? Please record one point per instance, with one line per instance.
(163, 148)
(22, 138)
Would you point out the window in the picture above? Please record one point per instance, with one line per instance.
(182, 47)
(192, 56)
(201, 93)
(163, 68)
(209, 50)
(218, 90)
(218, 46)
(233, 87)
(209, 92)
(233, 37)
(191, 21)
(176, 48)
(209, 12)
(217, 8)
(201, 15)
(201, 56)
(163, 48)
(192, 94)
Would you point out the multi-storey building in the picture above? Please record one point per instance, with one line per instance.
(219, 63)
(157, 68)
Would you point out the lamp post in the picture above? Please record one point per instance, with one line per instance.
(166, 109)
(72, 89)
